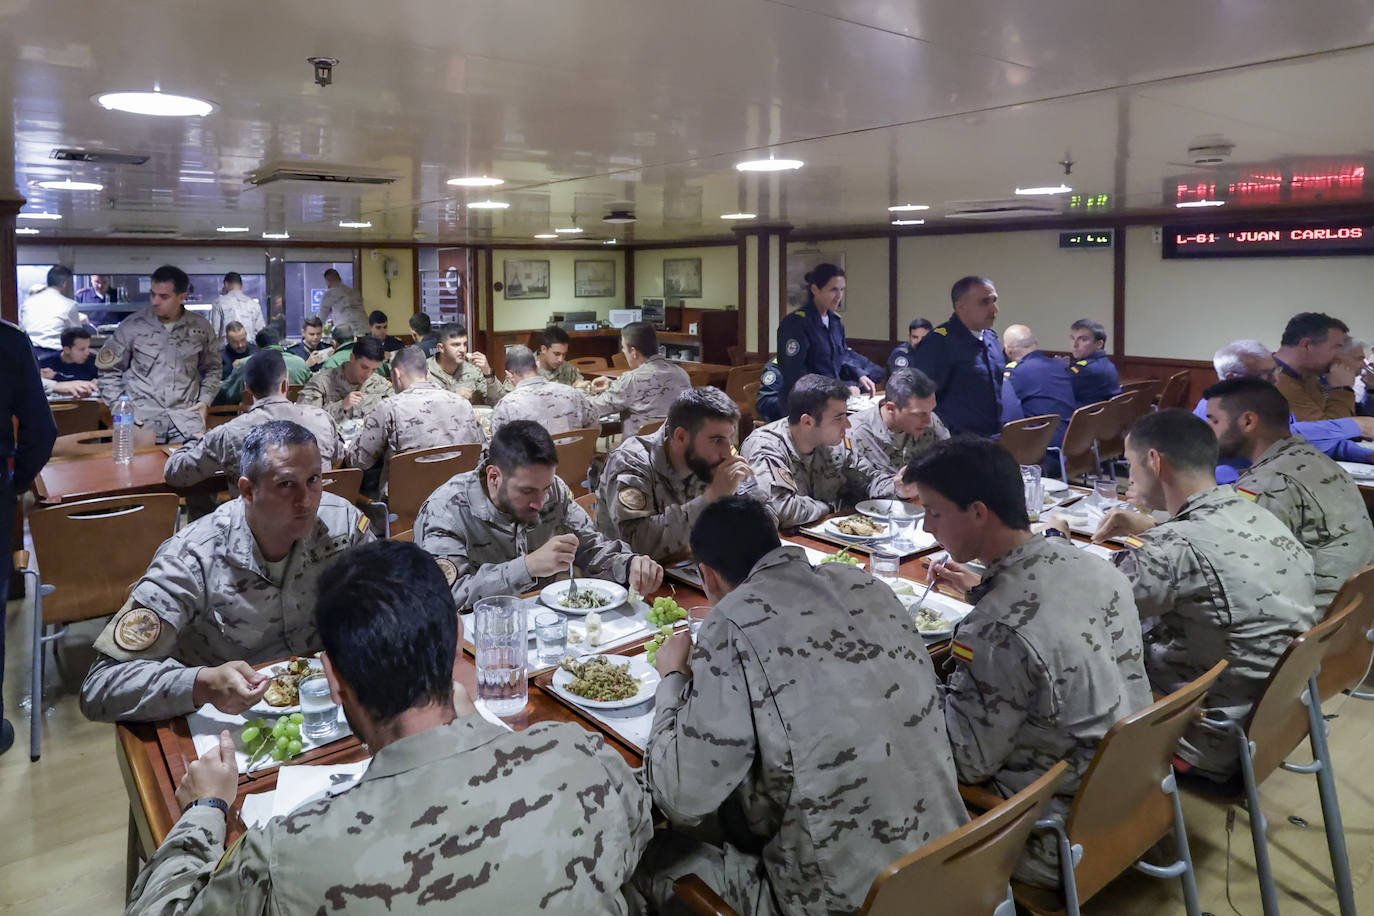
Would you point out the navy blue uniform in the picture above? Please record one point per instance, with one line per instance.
(769, 404)
(864, 366)
(967, 372)
(1035, 385)
(805, 346)
(304, 353)
(900, 357)
(1094, 379)
(69, 372)
(228, 357)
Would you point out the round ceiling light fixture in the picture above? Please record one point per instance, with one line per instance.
(1044, 190)
(156, 104)
(66, 184)
(476, 181)
(769, 165)
(908, 208)
(739, 216)
(488, 205)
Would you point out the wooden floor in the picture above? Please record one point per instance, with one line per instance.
(63, 819)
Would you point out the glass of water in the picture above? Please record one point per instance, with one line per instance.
(902, 527)
(501, 641)
(319, 713)
(1105, 488)
(696, 616)
(884, 565)
(551, 636)
(1034, 486)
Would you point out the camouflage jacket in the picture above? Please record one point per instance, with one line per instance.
(166, 370)
(556, 407)
(565, 374)
(888, 452)
(464, 817)
(1225, 579)
(328, 388)
(812, 722)
(643, 394)
(219, 449)
(799, 489)
(207, 599)
(482, 549)
(1320, 504)
(236, 305)
(343, 305)
(469, 382)
(422, 416)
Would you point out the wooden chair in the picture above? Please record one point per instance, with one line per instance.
(345, 483)
(751, 399)
(75, 416)
(588, 504)
(738, 378)
(1077, 452)
(618, 361)
(648, 429)
(590, 363)
(1348, 657)
(246, 399)
(408, 536)
(1123, 411)
(415, 474)
(1127, 801)
(95, 443)
(293, 392)
(1175, 393)
(699, 377)
(1029, 438)
(576, 448)
(69, 585)
(218, 416)
(1149, 388)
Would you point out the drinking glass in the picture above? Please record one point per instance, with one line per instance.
(902, 525)
(319, 713)
(501, 639)
(1034, 487)
(551, 636)
(695, 617)
(1105, 490)
(884, 565)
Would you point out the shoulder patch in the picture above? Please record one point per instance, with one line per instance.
(632, 499)
(800, 311)
(784, 475)
(137, 629)
(792, 347)
(961, 652)
(900, 362)
(943, 332)
(1248, 494)
(770, 377)
(448, 568)
(363, 522)
(106, 358)
(1081, 362)
(1133, 541)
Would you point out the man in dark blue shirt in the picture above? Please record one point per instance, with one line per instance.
(964, 359)
(1094, 375)
(74, 362)
(900, 358)
(1034, 383)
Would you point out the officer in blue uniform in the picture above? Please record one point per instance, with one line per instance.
(864, 366)
(1034, 383)
(900, 357)
(769, 405)
(964, 359)
(22, 399)
(811, 339)
(1094, 375)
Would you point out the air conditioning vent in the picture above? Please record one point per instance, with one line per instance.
(319, 173)
(1014, 208)
(100, 156)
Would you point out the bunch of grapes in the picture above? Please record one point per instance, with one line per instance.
(665, 611)
(651, 648)
(280, 739)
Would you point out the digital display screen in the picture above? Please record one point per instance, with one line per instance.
(1097, 238)
(1268, 239)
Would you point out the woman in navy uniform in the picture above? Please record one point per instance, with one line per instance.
(811, 339)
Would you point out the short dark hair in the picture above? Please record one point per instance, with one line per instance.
(452, 329)
(1261, 398)
(412, 360)
(964, 284)
(72, 335)
(234, 326)
(420, 323)
(904, 385)
(553, 334)
(970, 469)
(272, 434)
(1313, 326)
(232, 278)
(264, 372)
(520, 359)
(812, 394)
(377, 316)
(332, 274)
(369, 348)
(57, 275)
(694, 406)
(1184, 439)
(386, 617)
(642, 336)
(267, 337)
(920, 324)
(731, 536)
(519, 444)
(1087, 324)
(313, 321)
(168, 273)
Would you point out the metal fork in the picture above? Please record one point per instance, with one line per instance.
(572, 584)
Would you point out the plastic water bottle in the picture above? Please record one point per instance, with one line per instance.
(124, 430)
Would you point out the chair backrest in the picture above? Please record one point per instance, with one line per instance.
(94, 550)
(218, 416)
(590, 363)
(97, 442)
(1080, 437)
(740, 376)
(576, 448)
(1148, 387)
(415, 474)
(75, 416)
(1347, 656)
(1120, 809)
(1124, 409)
(1027, 439)
(698, 376)
(965, 872)
(650, 428)
(293, 392)
(618, 361)
(408, 536)
(588, 503)
(1175, 393)
(246, 399)
(344, 483)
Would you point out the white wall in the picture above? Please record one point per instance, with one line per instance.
(520, 314)
(719, 274)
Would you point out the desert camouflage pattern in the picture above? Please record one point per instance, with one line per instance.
(220, 447)
(344, 305)
(236, 305)
(565, 374)
(1051, 670)
(888, 452)
(166, 370)
(799, 489)
(1225, 579)
(812, 726)
(465, 817)
(469, 382)
(210, 587)
(422, 416)
(644, 394)
(553, 405)
(487, 548)
(328, 388)
(1320, 504)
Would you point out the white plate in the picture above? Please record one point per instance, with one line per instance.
(951, 609)
(832, 528)
(888, 508)
(263, 708)
(1054, 485)
(615, 595)
(640, 669)
(1358, 471)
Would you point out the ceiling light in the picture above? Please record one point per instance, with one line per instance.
(908, 222)
(1201, 203)
(487, 205)
(197, 179)
(769, 165)
(276, 235)
(476, 181)
(44, 215)
(547, 235)
(609, 242)
(354, 224)
(739, 216)
(234, 229)
(1044, 190)
(66, 184)
(158, 104)
(26, 230)
(571, 230)
(909, 208)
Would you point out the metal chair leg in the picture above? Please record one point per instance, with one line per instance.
(1269, 896)
(1191, 903)
(36, 684)
(1331, 807)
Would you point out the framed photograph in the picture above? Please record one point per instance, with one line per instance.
(682, 278)
(593, 279)
(527, 279)
(799, 264)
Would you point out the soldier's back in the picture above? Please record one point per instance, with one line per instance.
(429, 416)
(555, 406)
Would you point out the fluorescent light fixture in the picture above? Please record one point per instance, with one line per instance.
(43, 215)
(571, 230)
(908, 208)
(1200, 203)
(157, 104)
(487, 205)
(1044, 190)
(609, 242)
(769, 165)
(26, 230)
(739, 216)
(66, 184)
(197, 179)
(908, 222)
(547, 235)
(476, 181)
(234, 229)
(355, 224)
(276, 235)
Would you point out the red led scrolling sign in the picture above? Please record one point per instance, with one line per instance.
(1268, 239)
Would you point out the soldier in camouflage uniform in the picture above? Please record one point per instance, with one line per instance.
(806, 469)
(1309, 492)
(419, 415)
(806, 724)
(342, 306)
(900, 427)
(511, 525)
(166, 359)
(228, 591)
(643, 394)
(1222, 579)
(1050, 657)
(218, 450)
(555, 406)
(454, 813)
(553, 357)
(353, 390)
(453, 368)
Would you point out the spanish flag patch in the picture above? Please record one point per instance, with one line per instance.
(363, 522)
(1248, 494)
(1133, 541)
(961, 652)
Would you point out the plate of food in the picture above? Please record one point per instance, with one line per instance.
(606, 681)
(283, 694)
(889, 508)
(592, 595)
(855, 528)
(938, 614)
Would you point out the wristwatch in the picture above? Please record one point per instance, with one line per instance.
(1053, 533)
(219, 803)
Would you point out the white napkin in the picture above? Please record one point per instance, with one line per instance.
(207, 722)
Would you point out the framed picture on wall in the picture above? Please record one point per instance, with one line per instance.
(526, 279)
(682, 278)
(593, 279)
(799, 264)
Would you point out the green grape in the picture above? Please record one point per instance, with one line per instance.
(297, 717)
(279, 752)
(293, 747)
(279, 728)
(292, 730)
(259, 723)
(250, 734)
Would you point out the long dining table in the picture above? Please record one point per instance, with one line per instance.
(67, 479)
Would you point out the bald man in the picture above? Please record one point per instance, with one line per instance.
(1034, 383)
